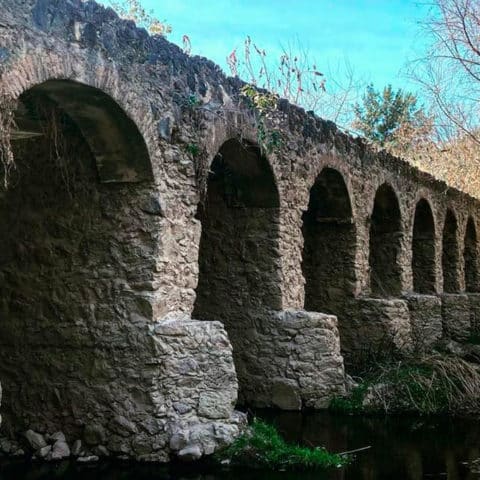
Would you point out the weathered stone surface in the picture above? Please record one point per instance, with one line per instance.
(88, 459)
(456, 313)
(57, 436)
(94, 434)
(189, 454)
(377, 329)
(285, 395)
(77, 448)
(36, 440)
(290, 348)
(474, 300)
(426, 320)
(60, 450)
(44, 451)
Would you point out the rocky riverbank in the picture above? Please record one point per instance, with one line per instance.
(51, 447)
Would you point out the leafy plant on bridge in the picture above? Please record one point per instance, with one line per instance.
(262, 103)
(134, 10)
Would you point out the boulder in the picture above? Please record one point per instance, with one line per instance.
(36, 440)
(60, 450)
(190, 453)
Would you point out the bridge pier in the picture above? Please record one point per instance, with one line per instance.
(85, 347)
(374, 329)
(456, 316)
(290, 359)
(474, 302)
(426, 321)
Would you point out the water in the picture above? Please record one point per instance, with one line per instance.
(402, 448)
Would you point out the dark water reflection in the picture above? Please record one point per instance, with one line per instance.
(402, 449)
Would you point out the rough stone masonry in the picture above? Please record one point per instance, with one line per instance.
(158, 267)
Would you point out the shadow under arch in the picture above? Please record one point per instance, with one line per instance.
(328, 261)
(470, 256)
(450, 253)
(423, 249)
(119, 148)
(385, 241)
(70, 251)
(239, 260)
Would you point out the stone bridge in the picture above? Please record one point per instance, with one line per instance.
(157, 265)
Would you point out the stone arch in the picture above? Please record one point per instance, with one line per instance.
(423, 249)
(239, 260)
(450, 253)
(470, 257)
(385, 242)
(116, 143)
(328, 260)
(72, 258)
(46, 63)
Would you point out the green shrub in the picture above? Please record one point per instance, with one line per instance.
(261, 446)
(351, 404)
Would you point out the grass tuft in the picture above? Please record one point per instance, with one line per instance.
(429, 385)
(261, 446)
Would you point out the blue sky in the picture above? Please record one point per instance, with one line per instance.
(377, 37)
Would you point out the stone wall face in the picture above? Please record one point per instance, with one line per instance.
(75, 255)
(108, 254)
(426, 317)
(78, 350)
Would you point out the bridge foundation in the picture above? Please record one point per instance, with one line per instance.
(474, 302)
(456, 315)
(289, 360)
(375, 329)
(426, 321)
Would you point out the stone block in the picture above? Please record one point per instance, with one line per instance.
(474, 301)
(456, 315)
(426, 320)
(300, 362)
(374, 329)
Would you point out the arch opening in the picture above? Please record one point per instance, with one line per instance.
(470, 257)
(239, 260)
(385, 241)
(70, 259)
(117, 145)
(328, 261)
(450, 254)
(423, 249)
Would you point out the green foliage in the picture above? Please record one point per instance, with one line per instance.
(193, 101)
(133, 10)
(261, 446)
(351, 404)
(263, 103)
(382, 114)
(193, 149)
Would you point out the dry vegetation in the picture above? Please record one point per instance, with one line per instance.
(456, 161)
(434, 384)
